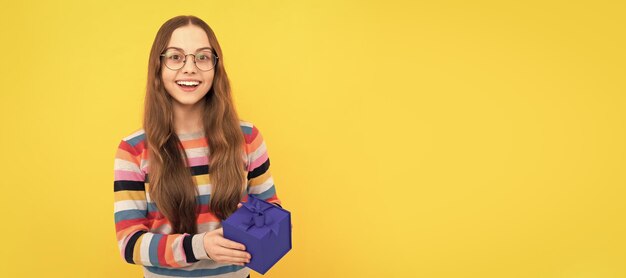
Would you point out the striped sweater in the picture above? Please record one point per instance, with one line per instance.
(145, 237)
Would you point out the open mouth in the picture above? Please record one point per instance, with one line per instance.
(188, 85)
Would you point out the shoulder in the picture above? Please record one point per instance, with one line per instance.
(250, 131)
(246, 126)
(134, 142)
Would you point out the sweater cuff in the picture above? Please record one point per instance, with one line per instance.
(197, 244)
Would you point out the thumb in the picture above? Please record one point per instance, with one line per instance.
(239, 205)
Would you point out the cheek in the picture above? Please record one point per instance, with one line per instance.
(167, 83)
(208, 80)
(167, 75)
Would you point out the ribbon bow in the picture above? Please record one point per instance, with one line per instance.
(257, 218)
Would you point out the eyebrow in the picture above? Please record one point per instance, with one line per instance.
(201, 48)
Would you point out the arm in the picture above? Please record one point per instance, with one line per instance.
(260, 181)
(136, 243)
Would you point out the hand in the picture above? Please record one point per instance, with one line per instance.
(223, 250)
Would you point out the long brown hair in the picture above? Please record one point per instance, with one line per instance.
(171, 185)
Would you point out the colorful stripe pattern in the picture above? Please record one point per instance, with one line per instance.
(145, 236)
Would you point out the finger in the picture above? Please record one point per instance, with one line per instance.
(239, 255)
(239, 205)
(231, 244)
(225, 253)
(235, 260)
(232, 260)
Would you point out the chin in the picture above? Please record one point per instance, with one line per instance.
(187, 98)
(188, 102)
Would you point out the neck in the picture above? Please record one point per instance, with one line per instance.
(188, 118)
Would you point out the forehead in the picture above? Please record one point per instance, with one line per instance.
(189, 38)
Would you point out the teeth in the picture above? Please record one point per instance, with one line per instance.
(188, 83)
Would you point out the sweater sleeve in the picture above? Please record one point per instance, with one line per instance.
(137, 245)
(260, 181)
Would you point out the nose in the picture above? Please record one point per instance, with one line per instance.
(190, 64)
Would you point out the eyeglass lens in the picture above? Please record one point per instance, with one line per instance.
(205, 60)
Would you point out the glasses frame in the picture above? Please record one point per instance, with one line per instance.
(194, 60)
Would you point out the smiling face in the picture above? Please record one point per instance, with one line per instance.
(189, 39)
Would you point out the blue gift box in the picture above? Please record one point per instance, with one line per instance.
(265, 230)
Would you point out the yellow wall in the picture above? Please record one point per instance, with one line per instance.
(439, 139)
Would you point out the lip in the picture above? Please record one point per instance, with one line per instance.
(188, 89)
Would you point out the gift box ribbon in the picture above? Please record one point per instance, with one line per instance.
(257, 217)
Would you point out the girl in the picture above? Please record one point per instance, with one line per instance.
(190, 165)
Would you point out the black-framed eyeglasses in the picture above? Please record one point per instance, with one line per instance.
(174, 59)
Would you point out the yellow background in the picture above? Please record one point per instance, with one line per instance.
(408, 139)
